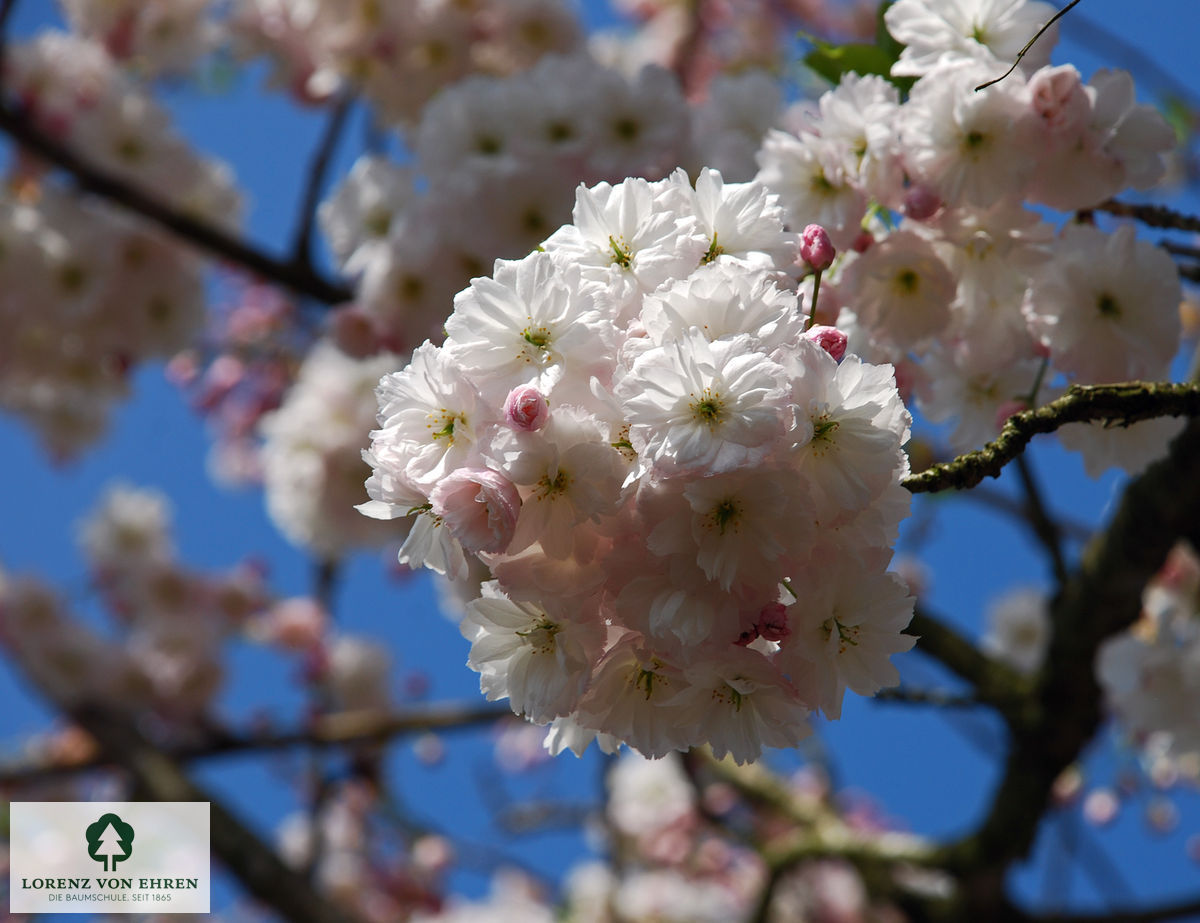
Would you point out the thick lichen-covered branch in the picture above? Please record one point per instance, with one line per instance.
(815, 830)
(1101, 598)
(1115, 405)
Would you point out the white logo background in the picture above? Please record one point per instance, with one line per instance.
(48, 843)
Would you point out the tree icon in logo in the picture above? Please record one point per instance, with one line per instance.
(110, 840)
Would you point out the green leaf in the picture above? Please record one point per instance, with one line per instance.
(883, 38)
(835, 61)
(1179, 116)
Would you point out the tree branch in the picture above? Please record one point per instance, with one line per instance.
(1180, 249)
(6, 9)
(1101, 598)
(1116, 404)
(815, 831)
(336, 730)
(1043, 525)
(995, 684)
(300, 279)
(158, 778)
(940, 698)
(1155, 216)
(302, 244)
(1072, 529)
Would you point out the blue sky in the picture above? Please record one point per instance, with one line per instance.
(929, 773)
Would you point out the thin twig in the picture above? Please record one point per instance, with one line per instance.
(995, 683)
(325, 583)
(1029, 44)
(1117, 404)
(302, 254)
(940, 698)
(1071, 528)
(301, 280)
(1191, 273)
(981, 735)
(1040, 520)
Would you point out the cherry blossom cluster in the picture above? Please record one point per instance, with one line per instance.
(1151, 673)
(88, 294)
(174, 624)
(76, 93)
(90, 291)
(347, 847)
(312, 464)
(948, 271)
(725, 38)
(686, 499)
(240, 372)
(497, 161)
(154, 38)
(397, 54)
(668, 862)
(1018, 629)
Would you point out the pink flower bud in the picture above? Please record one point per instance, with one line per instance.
(479, 507)
(863, 242)
(816, 249)
(1059, 98)
(921, 203)
(525, 408)
(830, 339)
(1007, 409)
(772, 622)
